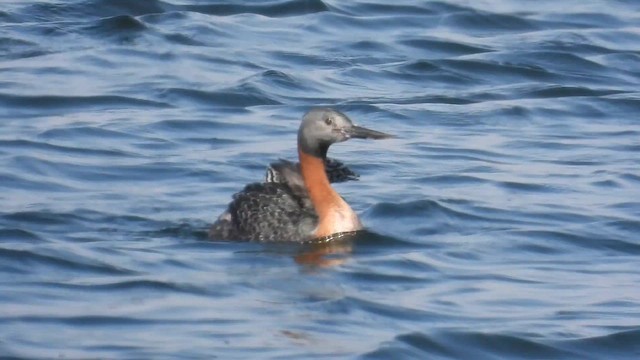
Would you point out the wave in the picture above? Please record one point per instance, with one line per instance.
(479, 345)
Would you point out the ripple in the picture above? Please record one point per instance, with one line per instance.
(281, 8)
(557, 91)
(425, 70)
(562, 63)
(25, 261)
(618, 103)
(420, 208)
(581, 240)
(149, 171)
(241, 97)
(528, 187)
(86, 320)
(34, 104)
(44, 221)
(117, 24)
(449, 180)
(620, 344)
(39, 217)
(144, 286)
(23, 182)
(67, 134)
(85, 9)
(458, 345)
(472, 20)
(440, 219)
(370, 8)
(85, 132)
(273, 79)
(13, 234)
(15, 48)
(443, 47)
(585, 19)
(121, 28)
(394, 311)
(309, 60)
(185, 230)
(497, 70)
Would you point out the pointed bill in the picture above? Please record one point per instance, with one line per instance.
(359, 132)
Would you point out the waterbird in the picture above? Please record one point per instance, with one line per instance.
(297, 203)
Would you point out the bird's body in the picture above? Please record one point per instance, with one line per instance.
(297, 202)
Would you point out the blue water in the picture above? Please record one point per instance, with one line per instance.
(503, 221)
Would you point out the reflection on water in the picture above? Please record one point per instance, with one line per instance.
(325, 254)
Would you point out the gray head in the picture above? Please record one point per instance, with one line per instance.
(322, 127)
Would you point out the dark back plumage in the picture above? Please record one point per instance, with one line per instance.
(267, 212)
(337, 171)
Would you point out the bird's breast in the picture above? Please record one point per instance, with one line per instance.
(340, 220)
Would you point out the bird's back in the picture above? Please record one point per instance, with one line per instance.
(337, 171)
(268, 212)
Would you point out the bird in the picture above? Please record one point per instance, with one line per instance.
(296, 202)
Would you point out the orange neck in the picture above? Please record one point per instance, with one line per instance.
(334, 214)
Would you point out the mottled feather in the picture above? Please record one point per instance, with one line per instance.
(337, 171)
(267, 212)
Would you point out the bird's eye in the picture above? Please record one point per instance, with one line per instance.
(328, 121)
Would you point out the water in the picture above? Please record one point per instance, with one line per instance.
(503, 221)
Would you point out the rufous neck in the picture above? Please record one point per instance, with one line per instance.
(317, 183)
(334, 214)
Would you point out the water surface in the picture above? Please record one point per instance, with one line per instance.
(502, 222)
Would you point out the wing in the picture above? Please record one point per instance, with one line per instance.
(265, 212)
(337, 171)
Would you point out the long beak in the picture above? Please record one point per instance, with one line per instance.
(359, 132)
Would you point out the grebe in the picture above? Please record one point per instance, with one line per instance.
(297, 202)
